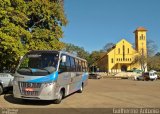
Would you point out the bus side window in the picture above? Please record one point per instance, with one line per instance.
(80, 65)
(68, 64)
(65, 67)
(62, 67)
(83, 66)
(86, 66)
(73, 66)
(76, 63)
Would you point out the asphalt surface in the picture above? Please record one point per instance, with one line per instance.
(102, 93)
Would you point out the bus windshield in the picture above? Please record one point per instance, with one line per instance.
(39, 64)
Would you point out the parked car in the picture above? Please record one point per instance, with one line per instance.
(138, 71)
(94, 76)
(151, 75)
(5, 82)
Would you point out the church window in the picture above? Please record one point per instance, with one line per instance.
(142, 37)
(123, 52)
(112, 60)
(118, 50)
(142, 51)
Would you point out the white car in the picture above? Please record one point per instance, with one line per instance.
(151, 75)
(6, 80)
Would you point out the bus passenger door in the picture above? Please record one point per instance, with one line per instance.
(72, 82)
(64, 76)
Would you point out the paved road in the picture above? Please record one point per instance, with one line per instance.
(103, 93)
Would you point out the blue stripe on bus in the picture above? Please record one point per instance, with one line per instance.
(48, 78)
(34, 70)
(84, 76)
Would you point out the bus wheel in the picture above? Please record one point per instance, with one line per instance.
(60, 96)
(81, 89)
(1, 89)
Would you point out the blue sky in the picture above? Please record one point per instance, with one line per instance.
(94, 23)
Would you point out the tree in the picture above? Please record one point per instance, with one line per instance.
(154, 63)
(29, 25)
(142, 60)
(108, 46)
(157, 54)
(79, 51)
(46, 20)
(12, 28)
(151, 47)
(94, 57)
(146, 60)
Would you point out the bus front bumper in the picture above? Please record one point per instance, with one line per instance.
(44, 92)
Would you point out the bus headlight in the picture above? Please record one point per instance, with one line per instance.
(49, 84)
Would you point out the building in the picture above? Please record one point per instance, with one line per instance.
(122, 56)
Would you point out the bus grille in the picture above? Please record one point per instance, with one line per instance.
(35, 86)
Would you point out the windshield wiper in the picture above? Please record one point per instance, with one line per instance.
(45, 70)
(26, 68)
(49, 69)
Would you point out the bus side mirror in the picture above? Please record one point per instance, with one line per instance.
(63, 58)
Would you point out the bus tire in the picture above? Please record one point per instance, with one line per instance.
(1, 89)
(81, 89)
(60, 97)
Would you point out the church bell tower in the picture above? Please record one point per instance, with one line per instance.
(141, 40)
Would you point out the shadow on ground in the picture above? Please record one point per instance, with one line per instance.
(9, 98)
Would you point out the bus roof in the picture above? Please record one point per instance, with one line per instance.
(54, 51)
(41, 51)
(73, 55)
